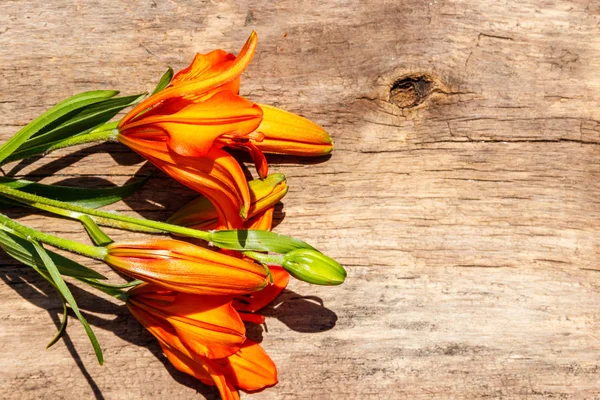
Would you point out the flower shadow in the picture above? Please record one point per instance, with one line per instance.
(305, 314)
(100, 313)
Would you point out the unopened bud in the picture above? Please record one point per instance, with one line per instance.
(313, 267)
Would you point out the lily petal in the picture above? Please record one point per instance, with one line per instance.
(196, 87)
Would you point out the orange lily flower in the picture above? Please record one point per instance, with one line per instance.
(184, 267)
(202, 214)
(194, 325)
(249, 369)
(200, 104)
(209, 72)
(175, 129)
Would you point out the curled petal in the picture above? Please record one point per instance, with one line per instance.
(201, 214)
(261, 221)
(216, 175)
(193, 127)
(250, 368)
(204, 66)
(195, 87)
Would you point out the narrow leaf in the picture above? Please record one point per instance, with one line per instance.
(96, 234)
(85, 197)
(23, 251)
(61, 109)
(164, 81)
(84, 120)
(63, 325)
(66, 293)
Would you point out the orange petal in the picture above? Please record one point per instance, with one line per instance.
(204, 370)
(262, 221)
(187, 365)
(206, 326)
(250, 369)
(259, 159)
(252, 318)
(253, 302)
(211, 330)
(193, 128)
(200, 86)
(217, 176)
(204, 66)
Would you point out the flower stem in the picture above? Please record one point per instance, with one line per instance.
(271, 259)
(70, 245)
(240, 240)
(104, 133)
(100, 217)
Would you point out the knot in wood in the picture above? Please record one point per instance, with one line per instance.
(411, 90)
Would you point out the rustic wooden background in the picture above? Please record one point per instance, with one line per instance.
(462, 195)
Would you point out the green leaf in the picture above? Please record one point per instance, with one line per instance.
(98, 236)
(63, 325)
(83, 121)
(164, 81)
(61, 109)
(85, 197)
(66, 293)
(257, 240)
(22, 250)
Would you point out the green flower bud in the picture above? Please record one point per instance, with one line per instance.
(314, 267)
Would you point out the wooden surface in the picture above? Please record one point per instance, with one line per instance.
(462, 194)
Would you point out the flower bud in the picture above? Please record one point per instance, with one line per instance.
(187, 268)
(313, 267)
(287, 133)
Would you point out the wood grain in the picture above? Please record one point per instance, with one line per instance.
(462, 194)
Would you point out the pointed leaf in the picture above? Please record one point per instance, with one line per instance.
(61, 109)
(164, 81)
(22, 250)
(96, 234)
(63, 326)
(92, 197)
(66, 293)
(84, 120)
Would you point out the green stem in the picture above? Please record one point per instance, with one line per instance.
(100, 217)
(246, 241)
(272, 259)
(70, 245)
(104, 133)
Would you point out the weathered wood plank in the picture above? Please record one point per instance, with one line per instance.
(462, 194)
